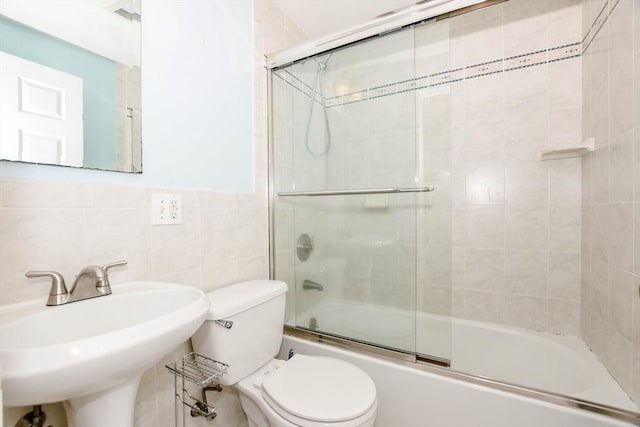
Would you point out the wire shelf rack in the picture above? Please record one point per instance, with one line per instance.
(203, 372)
(198, 369)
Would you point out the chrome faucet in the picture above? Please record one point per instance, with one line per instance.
(91, 282)
(310, 284)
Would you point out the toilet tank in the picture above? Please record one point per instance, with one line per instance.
(256, 309)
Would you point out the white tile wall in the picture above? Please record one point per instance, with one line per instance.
(515, 230)
(223, 239)
(496, 206)
(610, 319)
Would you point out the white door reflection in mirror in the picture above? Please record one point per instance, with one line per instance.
(40, 113)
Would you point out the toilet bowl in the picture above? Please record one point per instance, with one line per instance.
(244, 330)
(307, 391)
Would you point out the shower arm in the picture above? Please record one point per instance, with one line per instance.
(357, 191)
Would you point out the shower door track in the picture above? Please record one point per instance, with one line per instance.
(381, 25)
(366, 347)
(432, 365)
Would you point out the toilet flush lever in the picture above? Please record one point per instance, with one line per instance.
(225, 323)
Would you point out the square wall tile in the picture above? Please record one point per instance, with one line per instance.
(565, 181)
(564, 316)
(484, 184)
(22, 193)
(526, 312)
(526, 227)
(527, 183)
(564, 228)
(621, 235)
(485, 226)
(564, 276)
(526, 273)
(483, 306)
(485, 270)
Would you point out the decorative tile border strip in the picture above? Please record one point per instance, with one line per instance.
(484, 69)
(598, 23)
(527, 60)
(299, 85)
(564, 52)
(554, 54)
(517, 62)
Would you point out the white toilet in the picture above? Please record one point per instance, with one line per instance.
(308, 391)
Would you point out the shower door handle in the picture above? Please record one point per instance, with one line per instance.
(359, 191)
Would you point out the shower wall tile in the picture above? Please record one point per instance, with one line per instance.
(482, 34)
(610, 228)
(565, 182)
(565, 126)
(484, 182)
(485, 226)
(621, 235)
(564, 21)
(525, 28)
(636, 238)
(515, 222)
(635, 379)
(527, 182)
(621, 160)
(565, 91)
(485, 98)
(600, 289)
(623, 292)
(564, 228)
(480, 140)
(526, 312)
(618, 358)
(564, 276)
(564, 316)
(483, 306)
(526, 273)
(526, 227)
(484, 270)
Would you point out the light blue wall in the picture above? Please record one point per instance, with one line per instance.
(197, 100)
(98, 76)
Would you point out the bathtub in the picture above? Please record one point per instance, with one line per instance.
(559, 364)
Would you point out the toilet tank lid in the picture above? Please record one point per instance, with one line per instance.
(231, 300)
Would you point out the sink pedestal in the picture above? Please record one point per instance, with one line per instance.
(109, 408)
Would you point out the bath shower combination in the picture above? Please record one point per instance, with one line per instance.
(440, 234)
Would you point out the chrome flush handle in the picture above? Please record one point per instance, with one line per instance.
(224, 323)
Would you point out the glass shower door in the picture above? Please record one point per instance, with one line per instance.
(344, 126)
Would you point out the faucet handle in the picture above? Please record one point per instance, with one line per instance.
(58, 292)
(106, 267)
(104, 283)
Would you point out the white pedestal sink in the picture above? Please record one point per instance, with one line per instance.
(92, 353)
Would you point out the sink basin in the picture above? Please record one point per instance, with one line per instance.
(92, 353)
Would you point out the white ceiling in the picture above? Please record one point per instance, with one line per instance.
(322, 17)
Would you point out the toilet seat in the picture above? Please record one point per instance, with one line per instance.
(313, 390)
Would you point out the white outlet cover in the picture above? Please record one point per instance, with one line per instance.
(166, 209)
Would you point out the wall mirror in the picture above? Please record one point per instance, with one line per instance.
(70, 83)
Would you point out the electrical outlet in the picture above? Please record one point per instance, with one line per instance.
(166, 209)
